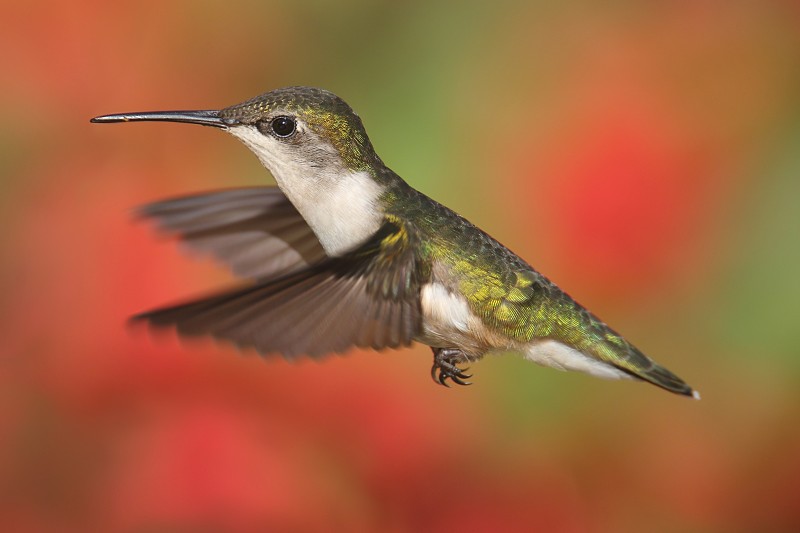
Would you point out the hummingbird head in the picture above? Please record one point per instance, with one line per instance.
(315, 146)
(302, 126)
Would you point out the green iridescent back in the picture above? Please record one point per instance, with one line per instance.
(506, 292)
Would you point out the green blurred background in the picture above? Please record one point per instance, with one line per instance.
(644, 155)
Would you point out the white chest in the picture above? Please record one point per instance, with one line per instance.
(342, 211)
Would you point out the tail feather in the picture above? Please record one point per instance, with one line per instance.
(607, 345)
(661, 377)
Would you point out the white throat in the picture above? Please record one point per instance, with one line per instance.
(340, 206)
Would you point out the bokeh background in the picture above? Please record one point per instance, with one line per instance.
(644, 155)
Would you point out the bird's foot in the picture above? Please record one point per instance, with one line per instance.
(444, 367)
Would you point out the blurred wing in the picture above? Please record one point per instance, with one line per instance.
(255, 231)
(367, 298)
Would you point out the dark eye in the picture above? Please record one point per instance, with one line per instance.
(283, 126)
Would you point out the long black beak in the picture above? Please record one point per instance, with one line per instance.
(204, 118)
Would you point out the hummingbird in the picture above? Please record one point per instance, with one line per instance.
(344, 253)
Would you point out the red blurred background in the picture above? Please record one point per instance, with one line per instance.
(644, 155)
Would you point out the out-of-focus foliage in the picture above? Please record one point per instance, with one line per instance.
(644, 155)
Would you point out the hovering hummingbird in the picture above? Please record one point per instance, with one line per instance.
(345, 253)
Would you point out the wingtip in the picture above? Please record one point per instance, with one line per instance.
(696, 395)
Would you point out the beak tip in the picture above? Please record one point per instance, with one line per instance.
(102, 119)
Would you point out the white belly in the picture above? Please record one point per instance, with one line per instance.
(450, 323)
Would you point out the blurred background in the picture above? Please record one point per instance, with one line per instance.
(643, 155)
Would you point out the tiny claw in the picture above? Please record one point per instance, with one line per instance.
(445, 366)
(458, 380)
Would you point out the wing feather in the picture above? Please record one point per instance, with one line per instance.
(255, 231)
(330, 306)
